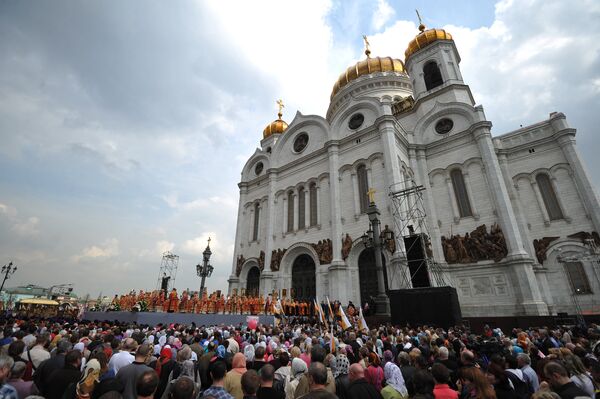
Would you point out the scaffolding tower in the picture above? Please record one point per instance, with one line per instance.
(168, 270)
(410, 220)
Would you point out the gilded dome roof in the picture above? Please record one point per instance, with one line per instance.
(276, 127)
(365, 67)
(424, 39)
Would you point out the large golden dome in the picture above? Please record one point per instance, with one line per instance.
(424, 39)
(365, 67)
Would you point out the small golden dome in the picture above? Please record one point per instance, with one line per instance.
(278, 126)
(365, 67)
(424, 39)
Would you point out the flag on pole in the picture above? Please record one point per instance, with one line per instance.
(344, 320)
(320, 313)
(278, 308)
(333, 349)
(330, 310)
(362, 324)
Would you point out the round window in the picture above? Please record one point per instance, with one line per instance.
(258, 168)
(356, 121)
(300, 142)
(444, 126)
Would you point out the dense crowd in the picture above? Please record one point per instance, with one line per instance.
(106, 360)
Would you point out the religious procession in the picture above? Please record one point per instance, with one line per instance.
(218, 303)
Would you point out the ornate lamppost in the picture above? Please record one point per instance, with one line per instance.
(7, 270)
(591, 254)
(205, 270)
(372, 239)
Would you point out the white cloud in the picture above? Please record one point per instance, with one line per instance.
(214, 202)
(382, 14)
(163, 246)
(28, 227)
(108, 249)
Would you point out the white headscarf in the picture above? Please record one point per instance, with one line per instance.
(393, 377)
(249, 353)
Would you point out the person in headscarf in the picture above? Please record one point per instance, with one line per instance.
(299, 368)
(374, 372)
(395, 387)
(350, 354)
(233, 379)
(164, 366)
(249, 353)
(342, 365)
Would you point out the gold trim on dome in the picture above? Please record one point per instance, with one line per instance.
(424, 39)
(365, 67)
(278, 126)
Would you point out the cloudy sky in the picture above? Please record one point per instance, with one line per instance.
(124, 125)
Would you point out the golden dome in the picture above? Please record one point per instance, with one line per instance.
(365, 67)
(278, 126)
(424, 39)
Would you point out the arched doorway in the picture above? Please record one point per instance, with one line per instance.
(253, 281)
(367, 273)
(303, 278)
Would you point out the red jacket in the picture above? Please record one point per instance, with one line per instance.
(443, 391)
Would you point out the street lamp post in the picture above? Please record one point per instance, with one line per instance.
(7, 270)
(205, 270)
(372, 239)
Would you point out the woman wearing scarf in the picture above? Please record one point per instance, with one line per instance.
(233, 378)
(164, 367)
(374, 373)
(342, 365)
(350, 354)
(395, 388)
(388, 356)
(298, 370)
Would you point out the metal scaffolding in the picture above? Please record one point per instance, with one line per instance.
(410, 220)
(168, 270)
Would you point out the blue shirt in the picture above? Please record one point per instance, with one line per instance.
(217, 393)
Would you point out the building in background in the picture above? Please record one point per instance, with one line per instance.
(501, 210)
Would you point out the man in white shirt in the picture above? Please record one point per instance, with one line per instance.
(38, 353)
(30, 339)
(530, 376)
(124, 357)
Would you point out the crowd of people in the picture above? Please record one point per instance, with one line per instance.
(215, 303)
(112, 360)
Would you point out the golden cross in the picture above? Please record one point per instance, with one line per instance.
(421, 26)
(280, 105)
(371, 194)
(367, 45)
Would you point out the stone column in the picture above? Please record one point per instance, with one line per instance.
(528, 290)
(540, 200)
(338, 272)
(318, 204)
(270, 219)
(251, 224)
(470, 194)
(582, 181)
(284, 214)
(233, 279)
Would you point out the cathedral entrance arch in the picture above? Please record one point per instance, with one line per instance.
(304, 284)
(367, 274)
(253, 281)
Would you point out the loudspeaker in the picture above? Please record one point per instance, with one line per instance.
(437, 306)
(415, 255)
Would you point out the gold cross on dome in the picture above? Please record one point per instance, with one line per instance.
(371, 194)
(281, 106)
(367, 45)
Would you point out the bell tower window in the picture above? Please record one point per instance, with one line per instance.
(432, 75)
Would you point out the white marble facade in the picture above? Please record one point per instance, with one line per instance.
(502, 174)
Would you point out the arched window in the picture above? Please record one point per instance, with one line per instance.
(460, 192)
(432, 75)
(290, 212)
(301, 208)
(363, 187)
(256, 221)
(549, 196)
(312, 191)
(578, 278)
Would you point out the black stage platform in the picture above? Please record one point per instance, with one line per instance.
(154, 318)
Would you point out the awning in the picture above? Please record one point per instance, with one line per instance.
(38, 301)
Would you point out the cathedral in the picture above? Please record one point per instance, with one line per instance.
(510, 221)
